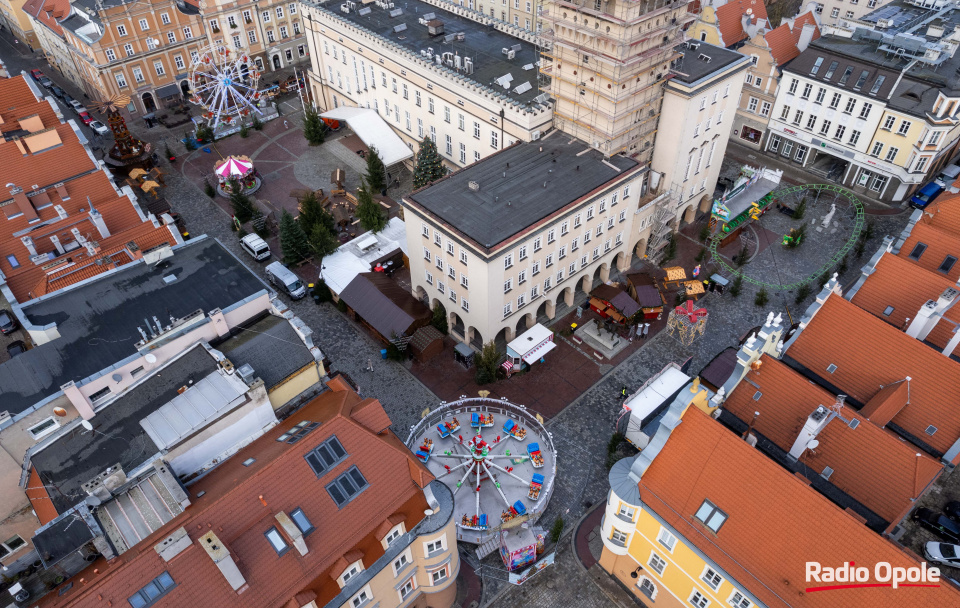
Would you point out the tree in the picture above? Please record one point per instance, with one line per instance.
(311, 212)
(293, 241)
(439, 318)
(243, 207)
(369, 211)
(741, 258)
(429, 166)
(803, 292)
(801, 209)
(376, 176)
(704, 233)
(487, 362)
(737, 286)
(322, 241)
(313, 127)
(556, 530)
(761, 298)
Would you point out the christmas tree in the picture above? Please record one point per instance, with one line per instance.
(243, 207)
(369, 211)
(322, 241)
(313, 127)
(293, 241)
(429, 166)
(376, 176)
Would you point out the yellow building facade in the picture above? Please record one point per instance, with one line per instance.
(706, 28)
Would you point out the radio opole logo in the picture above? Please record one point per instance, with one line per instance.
(883, 574)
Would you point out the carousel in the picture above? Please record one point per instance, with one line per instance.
(235, 171)
(497, 459)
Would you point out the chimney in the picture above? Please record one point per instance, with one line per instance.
(806, 36)
(221, 557)
(28, 243)
(97, 220)
(56, 243)
(292, 531)
(930, 314)
(815, 423)
(61, 212)
(78, 400)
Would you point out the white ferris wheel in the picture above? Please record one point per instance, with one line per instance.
(224, 83)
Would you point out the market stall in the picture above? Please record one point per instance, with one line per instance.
(613, 303)
(644, 290)
(530, 346)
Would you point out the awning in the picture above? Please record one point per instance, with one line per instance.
(373, 131)
(539, 352)
(168, 90)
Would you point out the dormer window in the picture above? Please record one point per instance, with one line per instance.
(351, 571)
(394, 534)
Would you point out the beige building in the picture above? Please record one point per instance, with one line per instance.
(474, 94)
(13, 17)
(270, 32)
(510, 238)
(45, 17)
(525, 14)
(699, 105)
(841, 12)
(607, 67)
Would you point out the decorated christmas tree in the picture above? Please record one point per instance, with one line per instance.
(429, 166)
(369, 211)
(293, 240)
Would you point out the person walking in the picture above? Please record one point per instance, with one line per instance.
(623, 392)
(369, 365)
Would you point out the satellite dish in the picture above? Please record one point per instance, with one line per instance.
(86, 424)
(813, 444)
(150, 358)
(59, 411)
(117, 377)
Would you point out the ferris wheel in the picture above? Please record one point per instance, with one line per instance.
(224, 84)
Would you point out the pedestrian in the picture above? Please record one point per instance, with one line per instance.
(369, 365)
(646, 329)
(285, 125)
(623, 392)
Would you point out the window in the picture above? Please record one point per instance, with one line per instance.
(947, 264)
(657, 563)
(460, 122)
(463, 153)
(111, 56)
(122, 30)
(848, 15)
(904, 127)
(508, 260)
(325, 456)
(667, 539)
(710, 515)
(626, 511)
(851, 103)
(738, 600)
(272, 38)
(507, 285)
(121, 82)
(711, 578)
(752, 104)
(465, 305)
(793, 86)
(407, 589)
(835, 12)
(361, 598)
(877, 148)
(921, 164)
(854, 137)
(891, 154)
(476, 130)
(400, 563)
(187, 33)
(797, 117)
(699, 600)
(430, 104)
(43, 428)
(464, 281)
(347, 486)
(835, 100)
(807, 89)
(816, 66)
(494, 140)
(101, 394)
(283, 34)
(151, 44)
(265, 16)
(252, 36)
(463, 256)
(821, 93)
(765, 108)
(438, 576)
(618, 537)
(811, 121)
(165, 19)
(434, 546)
(865, 110)
(276, 541)
(507, 309)
(429, 278)
(784, 112)
(236, 41)
(521, 277)
(301, 521)
(648, 588)
(417, 99)
(862, 79)
(138, 75)
(838, 135)
(934, 138)
(535, 268)
(758, 82)
(876, 84)
(293, 9)
(888, 122)
(151, 592)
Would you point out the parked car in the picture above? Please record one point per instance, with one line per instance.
(255, 246)
(36, 74)
(938, 523)
(16, 347)
(99, 128)
(86, 118)
(926, 195)
(952, 510)
(75, 105)
(942, 553)
(46, 82)
(68, 99)
(8, 322)
(57, 91)
(283, 278)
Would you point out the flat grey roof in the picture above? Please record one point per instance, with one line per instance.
(117, 436)
(512, 196)
(98, 321)
(482, 43)
(271, 347)
(699, 59)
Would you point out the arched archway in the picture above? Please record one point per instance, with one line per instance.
(456, 326)
(602, 273)
(640, 249)
(503, 337)
(185, 88)
(276, 62)
(566, 295)
(434, 303)
(621, 261)
(421, 294)
(705, 203)
(585, 284)
(474, 338)
(547, 309)
(688, 215)
(149, 104)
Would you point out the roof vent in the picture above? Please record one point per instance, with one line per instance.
(474, 186)
(819, 413)
(704, 58)
(245, 372)
(831, 368)
(827, 472)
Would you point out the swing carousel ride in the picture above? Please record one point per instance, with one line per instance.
(497, 459)
(224, 85)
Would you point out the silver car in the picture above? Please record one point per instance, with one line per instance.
(943, 553)
(99, 128)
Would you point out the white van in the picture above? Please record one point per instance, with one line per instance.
(284, 279)
(255, 246)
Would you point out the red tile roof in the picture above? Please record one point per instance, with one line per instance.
(49, 12)
(874, 467)
(870, 354)
(898, 282)
(240, 503)
(783, 39)
(775, 522)
(887, 403)
(939, 244)
(944, 213)
(730, 18)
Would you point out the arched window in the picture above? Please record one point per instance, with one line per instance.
(703, 36)
(648, 588)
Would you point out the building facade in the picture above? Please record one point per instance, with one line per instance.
(45, 16)
(13, 17)
(495, 279)
(271, 33)
(418, 87)
(840, 13)
(700, 102)
(608, 66)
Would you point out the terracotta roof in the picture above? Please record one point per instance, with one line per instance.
(19, 101)
(370, 414)
(887, 403)
(939, 244)
(898, 282)
(239, 504)
(39, 499)
(775, 522)
(944, 213)
(730, 16)
(869, 354)
(875, 468)
(783, 40)
(49, 12)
